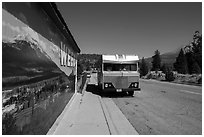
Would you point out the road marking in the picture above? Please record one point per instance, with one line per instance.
(190, 92)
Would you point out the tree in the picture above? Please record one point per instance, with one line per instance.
(181, 65)
(164, 68)
(190, 59)
(197, 48)
(143, 68)
(195, 68)
(88, 61)
(156, 62)
(169, 75)
(194, 54)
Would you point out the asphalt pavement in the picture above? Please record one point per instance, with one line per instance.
(163, 108)
(160, 108)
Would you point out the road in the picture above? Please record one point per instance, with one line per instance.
(162, 108)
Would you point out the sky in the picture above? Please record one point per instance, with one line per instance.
(131, 27)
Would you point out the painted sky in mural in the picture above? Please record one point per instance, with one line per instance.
(27, 54)
(13, 29)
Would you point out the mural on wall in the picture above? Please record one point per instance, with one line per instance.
(27, 55)
(38, 74)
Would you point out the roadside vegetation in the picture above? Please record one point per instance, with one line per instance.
(186, 69)
(87, 62)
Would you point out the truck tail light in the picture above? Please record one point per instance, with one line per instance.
(108, 85)
(134, 85)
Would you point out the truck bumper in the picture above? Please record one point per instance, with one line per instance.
(120, 90)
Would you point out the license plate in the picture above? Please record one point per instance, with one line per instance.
(119, 90)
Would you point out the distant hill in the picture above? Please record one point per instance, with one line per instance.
(168, 58)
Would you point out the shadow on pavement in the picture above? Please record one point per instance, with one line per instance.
(96, 90)
(92, 88)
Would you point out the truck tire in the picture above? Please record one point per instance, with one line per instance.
(100, 87)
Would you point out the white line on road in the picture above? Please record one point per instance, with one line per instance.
(190, 92)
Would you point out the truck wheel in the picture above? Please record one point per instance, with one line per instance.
(131, 93)
(99, 87)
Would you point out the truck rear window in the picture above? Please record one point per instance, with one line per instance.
(119, 67)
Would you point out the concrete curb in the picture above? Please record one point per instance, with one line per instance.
(112, 128)
(117, 122)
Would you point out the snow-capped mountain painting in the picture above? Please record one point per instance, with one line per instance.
(27, 57)
(24, 58)
(24, 61)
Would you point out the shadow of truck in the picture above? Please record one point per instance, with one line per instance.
(96, 90)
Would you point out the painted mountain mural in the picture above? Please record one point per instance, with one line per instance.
(23, 62)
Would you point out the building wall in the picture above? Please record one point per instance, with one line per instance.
(38, 68)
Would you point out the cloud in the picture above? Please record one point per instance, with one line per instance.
(9, 32)
(13, 28)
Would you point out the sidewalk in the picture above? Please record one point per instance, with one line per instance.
(89, 115)
(83, 117)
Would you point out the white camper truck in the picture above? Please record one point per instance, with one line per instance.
(119, 74)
